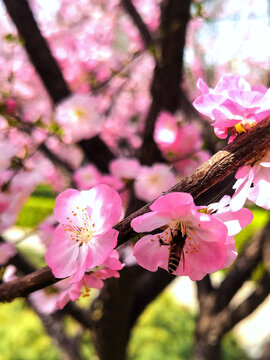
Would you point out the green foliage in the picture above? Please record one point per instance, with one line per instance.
(165, 331)
(36, 209)
(22, 335)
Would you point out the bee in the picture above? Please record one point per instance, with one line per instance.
(176, 252)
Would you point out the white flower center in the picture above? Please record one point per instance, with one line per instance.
(81, 234)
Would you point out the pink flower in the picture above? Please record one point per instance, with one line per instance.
(235, 222)
(78, 116)
(124, 168)
(7, 151)
(203, 237)
(233, 105)
(113, 182)
(47, 228)
(91, 279)
(152, 181)
(7, 251)
(253, 183)
(174, 139)
(85, 237)
(46, 300)
(87, 176)
(9, 273)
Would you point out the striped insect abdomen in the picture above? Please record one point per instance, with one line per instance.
(174, 257)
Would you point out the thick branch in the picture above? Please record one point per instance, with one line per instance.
(148, 286)
(228, 318)
(79, 314)
(54, 327)
(37, 49)
(242, 269)
(27, 284)
(241, 151)
(139, 23)
(97, 152)
(204, 288)
(165, 88)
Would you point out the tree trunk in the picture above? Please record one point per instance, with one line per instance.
(205, 349)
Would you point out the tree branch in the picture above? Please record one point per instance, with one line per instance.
(241, 151)
(228, 318)
(139, 23)
(165, 88)
(25, 285)
(242, 269)
(54, 327)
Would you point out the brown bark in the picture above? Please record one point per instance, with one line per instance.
(139, 23)
(165, 88)
(110, 314)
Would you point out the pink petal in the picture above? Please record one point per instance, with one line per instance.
(150, 254)
(209, 258)
(106, 206)
(210, 229)
(148, 222)
(93, 282)
(62, 254)
(81, 263)
(100, 247)
(260, 194)
(231, 252)
(202, 86)
(63, 299)
(68, 203)
(242, 171)
(241, 193)
(175, 205)
(235, 221)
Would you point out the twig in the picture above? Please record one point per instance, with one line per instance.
(139, 23)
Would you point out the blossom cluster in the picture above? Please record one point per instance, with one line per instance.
(234, 106)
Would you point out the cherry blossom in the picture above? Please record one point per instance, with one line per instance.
(46, 300)
(91, 279)
(234, 105)
(46, 230)
(7, 251)
(7, 151)
(175, 139)
(234, 220)
(124, 168)
(151, 181)
(207, 245)
(9, 273)
(85, 236)
(253, 183)
(86, 177)
(78, 116)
